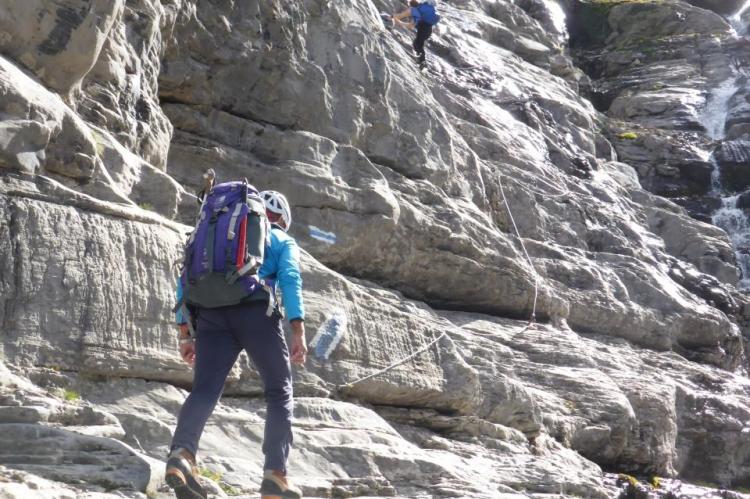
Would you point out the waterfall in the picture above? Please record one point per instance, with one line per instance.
(740, 27)
(557, 14)
(736, 223)
(729, 216)
(714, 115)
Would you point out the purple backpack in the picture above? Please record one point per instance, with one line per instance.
(226, 247)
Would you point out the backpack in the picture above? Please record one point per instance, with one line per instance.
(226, 248)
(428, 13)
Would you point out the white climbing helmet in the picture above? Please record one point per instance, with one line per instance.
(276, 203)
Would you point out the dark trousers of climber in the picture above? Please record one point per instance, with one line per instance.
(424, 31)
(222, 333)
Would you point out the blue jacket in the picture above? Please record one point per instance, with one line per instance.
(424, 12)
(281, 267)
(416, 16)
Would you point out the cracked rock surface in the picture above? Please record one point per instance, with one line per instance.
(564, 169)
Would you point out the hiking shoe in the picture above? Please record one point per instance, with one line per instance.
(277, 487)
(181, 476)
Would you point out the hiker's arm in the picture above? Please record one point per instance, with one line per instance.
(299, 343)
(408, 25)
(179, 317)
(187, 348)
(289, 280)
(402, 15)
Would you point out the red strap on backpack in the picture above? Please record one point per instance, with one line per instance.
(241, 250)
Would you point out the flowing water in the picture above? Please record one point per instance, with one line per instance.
(715, 112)
(736, 223)
(729, 216)
(739, 25)
(557, 14)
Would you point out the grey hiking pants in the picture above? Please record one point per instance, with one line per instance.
(221, 334)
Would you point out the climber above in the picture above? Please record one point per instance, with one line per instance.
(232, 307)
(423, 17)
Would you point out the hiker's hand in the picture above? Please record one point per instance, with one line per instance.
(299, 344)
(187, 352)
(187, 349)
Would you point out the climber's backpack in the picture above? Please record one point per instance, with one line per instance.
(428, 14)
(225, 250)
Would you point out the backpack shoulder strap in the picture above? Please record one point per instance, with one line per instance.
(233, 220)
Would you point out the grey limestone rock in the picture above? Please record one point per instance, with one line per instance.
(452, 205)
(733, 157)
(58, 41)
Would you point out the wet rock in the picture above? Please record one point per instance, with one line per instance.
(634, 21)
(743, 201)
(674, 108)
(733, 158)
(738, 117)
(705, 286)
(667, 163)
(700, 208)
(706, 248)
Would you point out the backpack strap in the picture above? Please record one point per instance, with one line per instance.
(231, 234)
(235, 215)
(197, 221)
(182, 306)
(186, 314)
(233, 276)
(271, 298)
(211, 241)
(179, 304)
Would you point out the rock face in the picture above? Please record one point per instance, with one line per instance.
(67, 41)
(733, 157)
(515, 179)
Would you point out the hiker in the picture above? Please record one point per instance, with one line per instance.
(423, 18)
(221, 333)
